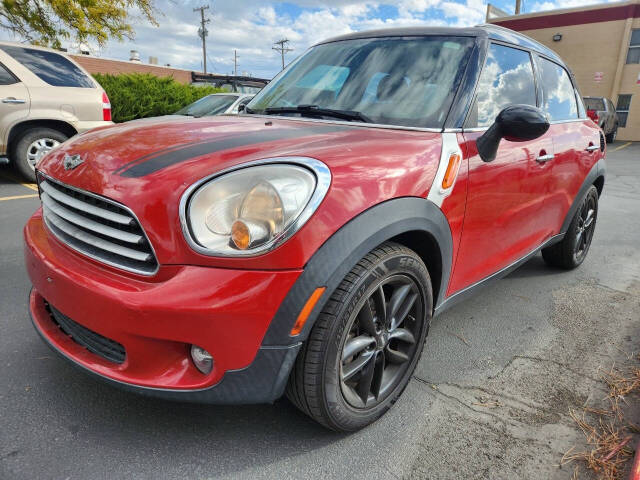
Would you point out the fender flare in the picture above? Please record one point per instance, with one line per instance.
(344, 249)
(598, 170)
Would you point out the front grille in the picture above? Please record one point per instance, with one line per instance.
(92, 341)
(97, 227)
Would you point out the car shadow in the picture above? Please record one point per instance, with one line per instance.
(535, 267)
(222, 439)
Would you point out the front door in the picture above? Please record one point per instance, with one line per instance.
(505, 218)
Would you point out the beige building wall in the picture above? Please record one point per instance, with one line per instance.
(595, 48)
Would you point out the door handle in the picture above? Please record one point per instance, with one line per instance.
(13, 100)
(544, 158)
(592, 148)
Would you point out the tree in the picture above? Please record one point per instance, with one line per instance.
(47, 22)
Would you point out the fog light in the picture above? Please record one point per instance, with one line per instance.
(201, 359)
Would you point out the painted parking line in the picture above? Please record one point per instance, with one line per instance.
(18, 197)
(11, 178)
(621, 147)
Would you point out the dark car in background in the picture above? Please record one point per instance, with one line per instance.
(232, 83)
(602, 111)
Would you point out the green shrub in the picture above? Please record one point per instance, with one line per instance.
(138, 95)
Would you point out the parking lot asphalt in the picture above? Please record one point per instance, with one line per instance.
(489, 399)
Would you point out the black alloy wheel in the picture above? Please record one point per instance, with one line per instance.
(585, 227)
(572, 250)
(381, 341)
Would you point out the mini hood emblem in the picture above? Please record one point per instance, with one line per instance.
(71, 161)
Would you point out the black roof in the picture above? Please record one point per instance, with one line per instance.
(493, 32)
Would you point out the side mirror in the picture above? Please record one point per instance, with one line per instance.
(241, 108)
(515, 123)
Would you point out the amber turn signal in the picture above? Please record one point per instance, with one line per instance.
(306, 310)
(452, 170)
(240, 235)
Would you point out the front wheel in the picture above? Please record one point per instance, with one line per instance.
(612, 136)
(573, 249)
(32, 145)
(365, 344)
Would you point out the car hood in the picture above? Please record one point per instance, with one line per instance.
(181, 148)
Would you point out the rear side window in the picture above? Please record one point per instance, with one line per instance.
(506, 79)
(50, 67)
(559, 99)
(6, 78)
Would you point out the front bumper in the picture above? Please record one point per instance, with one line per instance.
(224, 311)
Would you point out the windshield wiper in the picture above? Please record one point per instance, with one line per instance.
(315, 110)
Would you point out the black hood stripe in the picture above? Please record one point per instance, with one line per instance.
(159, 160)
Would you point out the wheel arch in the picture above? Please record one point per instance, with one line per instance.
(595, 177)
(18, 129)
(426, 246)
(599, 184)
(416, 223)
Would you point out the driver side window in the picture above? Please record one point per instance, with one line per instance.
(506, 79)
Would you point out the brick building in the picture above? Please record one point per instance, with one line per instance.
(104, 65)
(601, 44)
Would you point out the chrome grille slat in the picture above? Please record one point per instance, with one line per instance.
(92, 240)
(87, 207)
(97, 227)
(89, 224)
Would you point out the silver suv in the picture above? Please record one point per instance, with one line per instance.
(45, 98)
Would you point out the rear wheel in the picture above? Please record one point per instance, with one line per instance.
(612, 136)
(365, 344)
(31, 146)
(573, 249)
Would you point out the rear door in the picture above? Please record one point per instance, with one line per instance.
(504, 218)
(575, 141)
(14, 100)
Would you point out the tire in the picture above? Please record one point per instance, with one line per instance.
(25, 147)
(612, 136)
(322, 383)
(573, 249)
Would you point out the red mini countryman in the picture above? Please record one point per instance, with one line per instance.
(304, 246)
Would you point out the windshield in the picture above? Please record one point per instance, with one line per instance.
(209, 105)
(407, 81)
(594, 103)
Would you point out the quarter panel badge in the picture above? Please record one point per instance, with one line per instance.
(71, 161)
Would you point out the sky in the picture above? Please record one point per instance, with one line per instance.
(251, 27)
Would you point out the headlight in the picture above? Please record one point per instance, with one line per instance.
(254, 207)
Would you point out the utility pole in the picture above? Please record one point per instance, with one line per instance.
(235, 63)
(202, 33)
(282, 48)
(518, 3)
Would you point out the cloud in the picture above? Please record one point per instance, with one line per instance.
(252, 26)
(549, 5)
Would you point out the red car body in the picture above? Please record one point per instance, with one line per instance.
(242, 310)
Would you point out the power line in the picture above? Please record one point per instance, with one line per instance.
(282, 48)
(203, 32)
